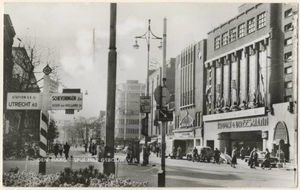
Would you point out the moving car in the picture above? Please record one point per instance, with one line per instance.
(261, 158)
(208, 153)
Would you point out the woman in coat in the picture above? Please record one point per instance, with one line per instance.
(234, 156)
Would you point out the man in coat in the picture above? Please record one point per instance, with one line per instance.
(66, 150)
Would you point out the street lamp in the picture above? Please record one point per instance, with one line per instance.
(147, 36)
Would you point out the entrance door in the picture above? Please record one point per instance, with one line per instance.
(211, 144)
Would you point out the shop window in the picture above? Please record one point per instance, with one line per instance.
(225, 39)
(217, 42)
(261, 20)
(288, 70)
(250, 25)
(288, 56)
(288, 27)
(288, 41)
(288, 13)
(232, 35)
(288, 84)
(241, 29)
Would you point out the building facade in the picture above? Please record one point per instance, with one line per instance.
(127, 115)
(248, 90)
(189, 96)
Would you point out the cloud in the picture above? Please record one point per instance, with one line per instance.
(127, 61)
(130, 25)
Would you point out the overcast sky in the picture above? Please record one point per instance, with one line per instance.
(63, 32)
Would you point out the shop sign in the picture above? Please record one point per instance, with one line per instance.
(184, 134)
(244, 123)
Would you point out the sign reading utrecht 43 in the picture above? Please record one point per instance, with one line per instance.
(23, 101)
(66, 101)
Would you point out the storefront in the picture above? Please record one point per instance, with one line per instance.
(252, 128)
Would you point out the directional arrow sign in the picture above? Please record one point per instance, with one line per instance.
(66, 101)
(23, 101)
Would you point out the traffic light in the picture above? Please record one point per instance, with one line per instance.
(144, 127)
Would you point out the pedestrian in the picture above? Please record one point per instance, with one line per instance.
(234, 157)
(242, 153)
(93, 149)
(157, 150)
(66, 150)
(267, 160)
(55, 149)
(129, 153)
(60, 149)
(217, 156)
(248, 151)
(179, 152)
(174, 152)
(202, 154)
(254, 157)
(251, 156)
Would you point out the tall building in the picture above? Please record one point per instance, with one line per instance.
(249, 81)
(127, 115)
(189, 96)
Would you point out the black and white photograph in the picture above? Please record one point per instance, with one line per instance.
(150, 94)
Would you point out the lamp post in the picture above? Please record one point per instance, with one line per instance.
(147, 36)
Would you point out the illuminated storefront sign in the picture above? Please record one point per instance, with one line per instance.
(244, 123)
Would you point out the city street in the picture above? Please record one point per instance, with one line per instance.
(179, 173)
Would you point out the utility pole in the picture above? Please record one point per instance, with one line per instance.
(162, 172)
(109, 165)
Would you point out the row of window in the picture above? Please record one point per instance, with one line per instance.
(130, 131)
(128, 121)
(240, 31)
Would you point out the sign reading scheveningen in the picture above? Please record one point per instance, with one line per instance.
(66, 101)
(243, 123)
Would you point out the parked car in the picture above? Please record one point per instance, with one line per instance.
(208, 153)
(119, 148)
(261, 158)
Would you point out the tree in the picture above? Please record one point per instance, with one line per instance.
(53, 132)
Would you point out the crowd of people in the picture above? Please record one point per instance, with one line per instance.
(58, 148)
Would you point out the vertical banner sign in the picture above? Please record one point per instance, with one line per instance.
(145, 104)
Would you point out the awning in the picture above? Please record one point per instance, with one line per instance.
(183, 130)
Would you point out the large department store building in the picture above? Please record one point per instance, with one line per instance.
(250, 72)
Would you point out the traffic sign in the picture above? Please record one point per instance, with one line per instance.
(158, 94)
(62, 101)
(23, 101)
(164, 115)
(145, 104)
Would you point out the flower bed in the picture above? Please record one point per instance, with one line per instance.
(87, 177)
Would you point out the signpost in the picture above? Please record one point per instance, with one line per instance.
(44, 101)
(24, 101)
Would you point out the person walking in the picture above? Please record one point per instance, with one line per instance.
(66, 150)
(179, 152)
(234, 157)
(217, 156)
(267, 160)
(157, 150)
(248, 151)
(242, 153)
(55, 149)
(129, 154)
(60, 149)
(251, 156)
(254, 157)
